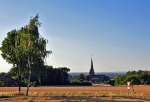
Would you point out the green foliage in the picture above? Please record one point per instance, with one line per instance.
(6, 80)
(85, 83)
(2, 83)
(135, 77)
(119, 80)
(78, 79)
(82, 77)
(111, 82)
(7, 48)
(55, 76)
(75, 79)
(26, 50)
(48, 76)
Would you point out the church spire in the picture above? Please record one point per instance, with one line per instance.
(92, 69)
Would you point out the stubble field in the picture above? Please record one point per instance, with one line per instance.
(77, 94)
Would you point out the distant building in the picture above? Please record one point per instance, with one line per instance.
(96, 78)
(92, 73)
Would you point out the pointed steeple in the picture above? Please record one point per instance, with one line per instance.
(92, 69)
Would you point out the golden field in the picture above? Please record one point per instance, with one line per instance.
(75, 94)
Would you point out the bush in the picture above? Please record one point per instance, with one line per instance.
(85, 83)
(111, 82)
(135, 77)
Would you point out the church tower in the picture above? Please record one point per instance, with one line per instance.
(92, 73)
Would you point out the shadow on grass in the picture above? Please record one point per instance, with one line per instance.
(5, 96)
(103, 98)
(13, 95)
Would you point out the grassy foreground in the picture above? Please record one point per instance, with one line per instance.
(76, 94)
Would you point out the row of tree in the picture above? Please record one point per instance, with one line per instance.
(49, 76)
(55, 76)
(135, 77)
(26, 50)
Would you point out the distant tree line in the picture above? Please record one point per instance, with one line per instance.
(48, 76)
(79, 80)
(135, 77)
(55, 76)
(86, 80)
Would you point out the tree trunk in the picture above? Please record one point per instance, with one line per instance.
(19, 85)
(28, 86)
(39, 80)
(19, 79)
(29, 77)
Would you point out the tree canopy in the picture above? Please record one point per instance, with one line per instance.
(26, 49)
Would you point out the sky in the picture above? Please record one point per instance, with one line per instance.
(115, 33)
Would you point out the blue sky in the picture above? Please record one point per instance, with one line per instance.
(115, 33)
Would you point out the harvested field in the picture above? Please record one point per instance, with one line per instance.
(75, 94)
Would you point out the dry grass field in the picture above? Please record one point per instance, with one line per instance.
(77, 94)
